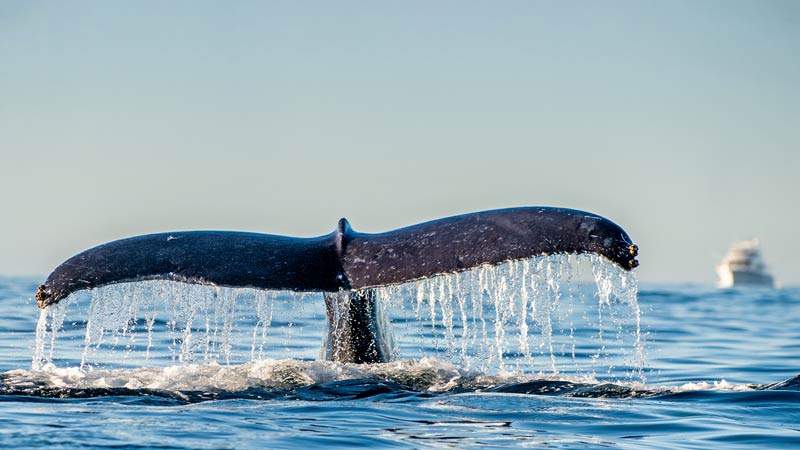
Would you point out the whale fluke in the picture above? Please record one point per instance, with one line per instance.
(344, 261)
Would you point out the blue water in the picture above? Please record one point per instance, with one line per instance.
(719, 369)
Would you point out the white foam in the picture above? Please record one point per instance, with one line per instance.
(425, 374)
(716, 385)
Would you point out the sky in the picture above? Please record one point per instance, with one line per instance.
(678, 120)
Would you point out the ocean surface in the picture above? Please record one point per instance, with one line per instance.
(554, 353)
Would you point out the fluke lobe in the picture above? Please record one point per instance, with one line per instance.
(344, 262)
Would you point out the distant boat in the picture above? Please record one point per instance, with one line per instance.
(743, 266)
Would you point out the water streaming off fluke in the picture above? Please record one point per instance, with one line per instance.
(559, 314)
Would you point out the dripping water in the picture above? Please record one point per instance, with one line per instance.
(550, 315)
(559, 314)
(167, 323)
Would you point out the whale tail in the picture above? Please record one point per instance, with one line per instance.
(343, 261)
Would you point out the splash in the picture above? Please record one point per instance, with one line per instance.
(556, 315)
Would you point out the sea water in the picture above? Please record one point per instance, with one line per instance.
(559, 352)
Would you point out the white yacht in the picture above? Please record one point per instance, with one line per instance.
(743, 266)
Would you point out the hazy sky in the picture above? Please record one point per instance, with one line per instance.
(678, 120)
